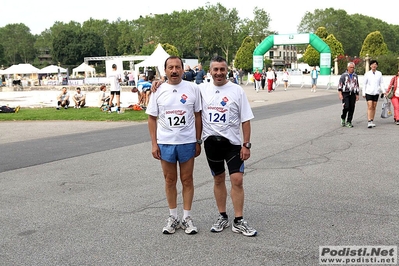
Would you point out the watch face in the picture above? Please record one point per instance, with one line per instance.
(247, 145)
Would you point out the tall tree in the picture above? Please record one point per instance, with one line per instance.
(17, 42)
(258, 27)
(244, 56)
(374, 45)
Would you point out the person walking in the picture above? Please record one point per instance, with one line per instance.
(373, 85)
(270, 77)
(393, 85)
(348, 92)
(314, 74)
(174, 123)
(225, 109)
(257, 79)
(285, 78)
(115, 78)
(263, 79)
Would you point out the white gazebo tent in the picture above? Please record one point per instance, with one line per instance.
(156, 59)
(21, 69)
(85, 68)
(51, 69)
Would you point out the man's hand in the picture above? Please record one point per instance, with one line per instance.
(155, 85)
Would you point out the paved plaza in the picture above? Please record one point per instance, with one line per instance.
(90, 193)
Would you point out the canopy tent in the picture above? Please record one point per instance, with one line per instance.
(156, 59)
(21, 69)
(52, 69)
(84, 68)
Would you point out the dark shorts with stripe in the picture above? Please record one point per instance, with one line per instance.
(219, 150)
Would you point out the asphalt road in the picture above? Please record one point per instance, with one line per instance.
(97, 198)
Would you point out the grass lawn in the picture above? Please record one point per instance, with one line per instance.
(82, 114)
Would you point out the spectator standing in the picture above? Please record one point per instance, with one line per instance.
(131, 79)
(115, 78)
(373, 85)
(314, 74)
(79, 98)
(174, 124)
(348, 93)
(240, 75)
(393, 85)
(189, 74)
(200, 74)
(63, 99)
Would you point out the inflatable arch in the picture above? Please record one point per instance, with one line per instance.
(310, 38)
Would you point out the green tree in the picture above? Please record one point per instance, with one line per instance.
(258, 27)
(17, 42)
(244, 56)
(374, 45)
(170, 49)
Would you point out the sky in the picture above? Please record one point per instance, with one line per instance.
(285, 16)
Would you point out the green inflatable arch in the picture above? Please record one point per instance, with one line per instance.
(305, 38)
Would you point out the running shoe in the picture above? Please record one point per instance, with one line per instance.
(372, 123)
(171, 225)
(188, 226)
(349, 124)
(343, 122)
(242, 227)
(220, 224)
(369, 124)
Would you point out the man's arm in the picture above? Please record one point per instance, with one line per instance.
(152, 127)
(246, 133)
(198, 131)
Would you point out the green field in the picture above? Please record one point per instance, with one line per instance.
(82, 114)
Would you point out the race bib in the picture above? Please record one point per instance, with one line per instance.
(176, 118)
(218, 115)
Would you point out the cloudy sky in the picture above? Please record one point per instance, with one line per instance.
(285, 15)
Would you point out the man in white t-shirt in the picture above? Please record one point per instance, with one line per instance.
(63, 99)
(115, 78)
(79, 98)
(174, 123)
(226, 110)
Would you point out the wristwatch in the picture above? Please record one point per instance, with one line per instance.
(247, 145)
(199, 141)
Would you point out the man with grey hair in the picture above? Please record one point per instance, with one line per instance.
(348, 92)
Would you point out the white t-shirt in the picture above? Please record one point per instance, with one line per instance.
(114, 78)
(174, 105)
(373, 83)
(224, 109)
(78, 96)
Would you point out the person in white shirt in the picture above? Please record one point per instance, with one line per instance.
(225, 113)
(63, 99)
(285, 78)
(103, 98)
(115, 78)
(79, 98)
(373, 86)
(174, 123)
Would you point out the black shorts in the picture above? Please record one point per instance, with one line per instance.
(373, 98)
(218, 150)
(115, 92)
